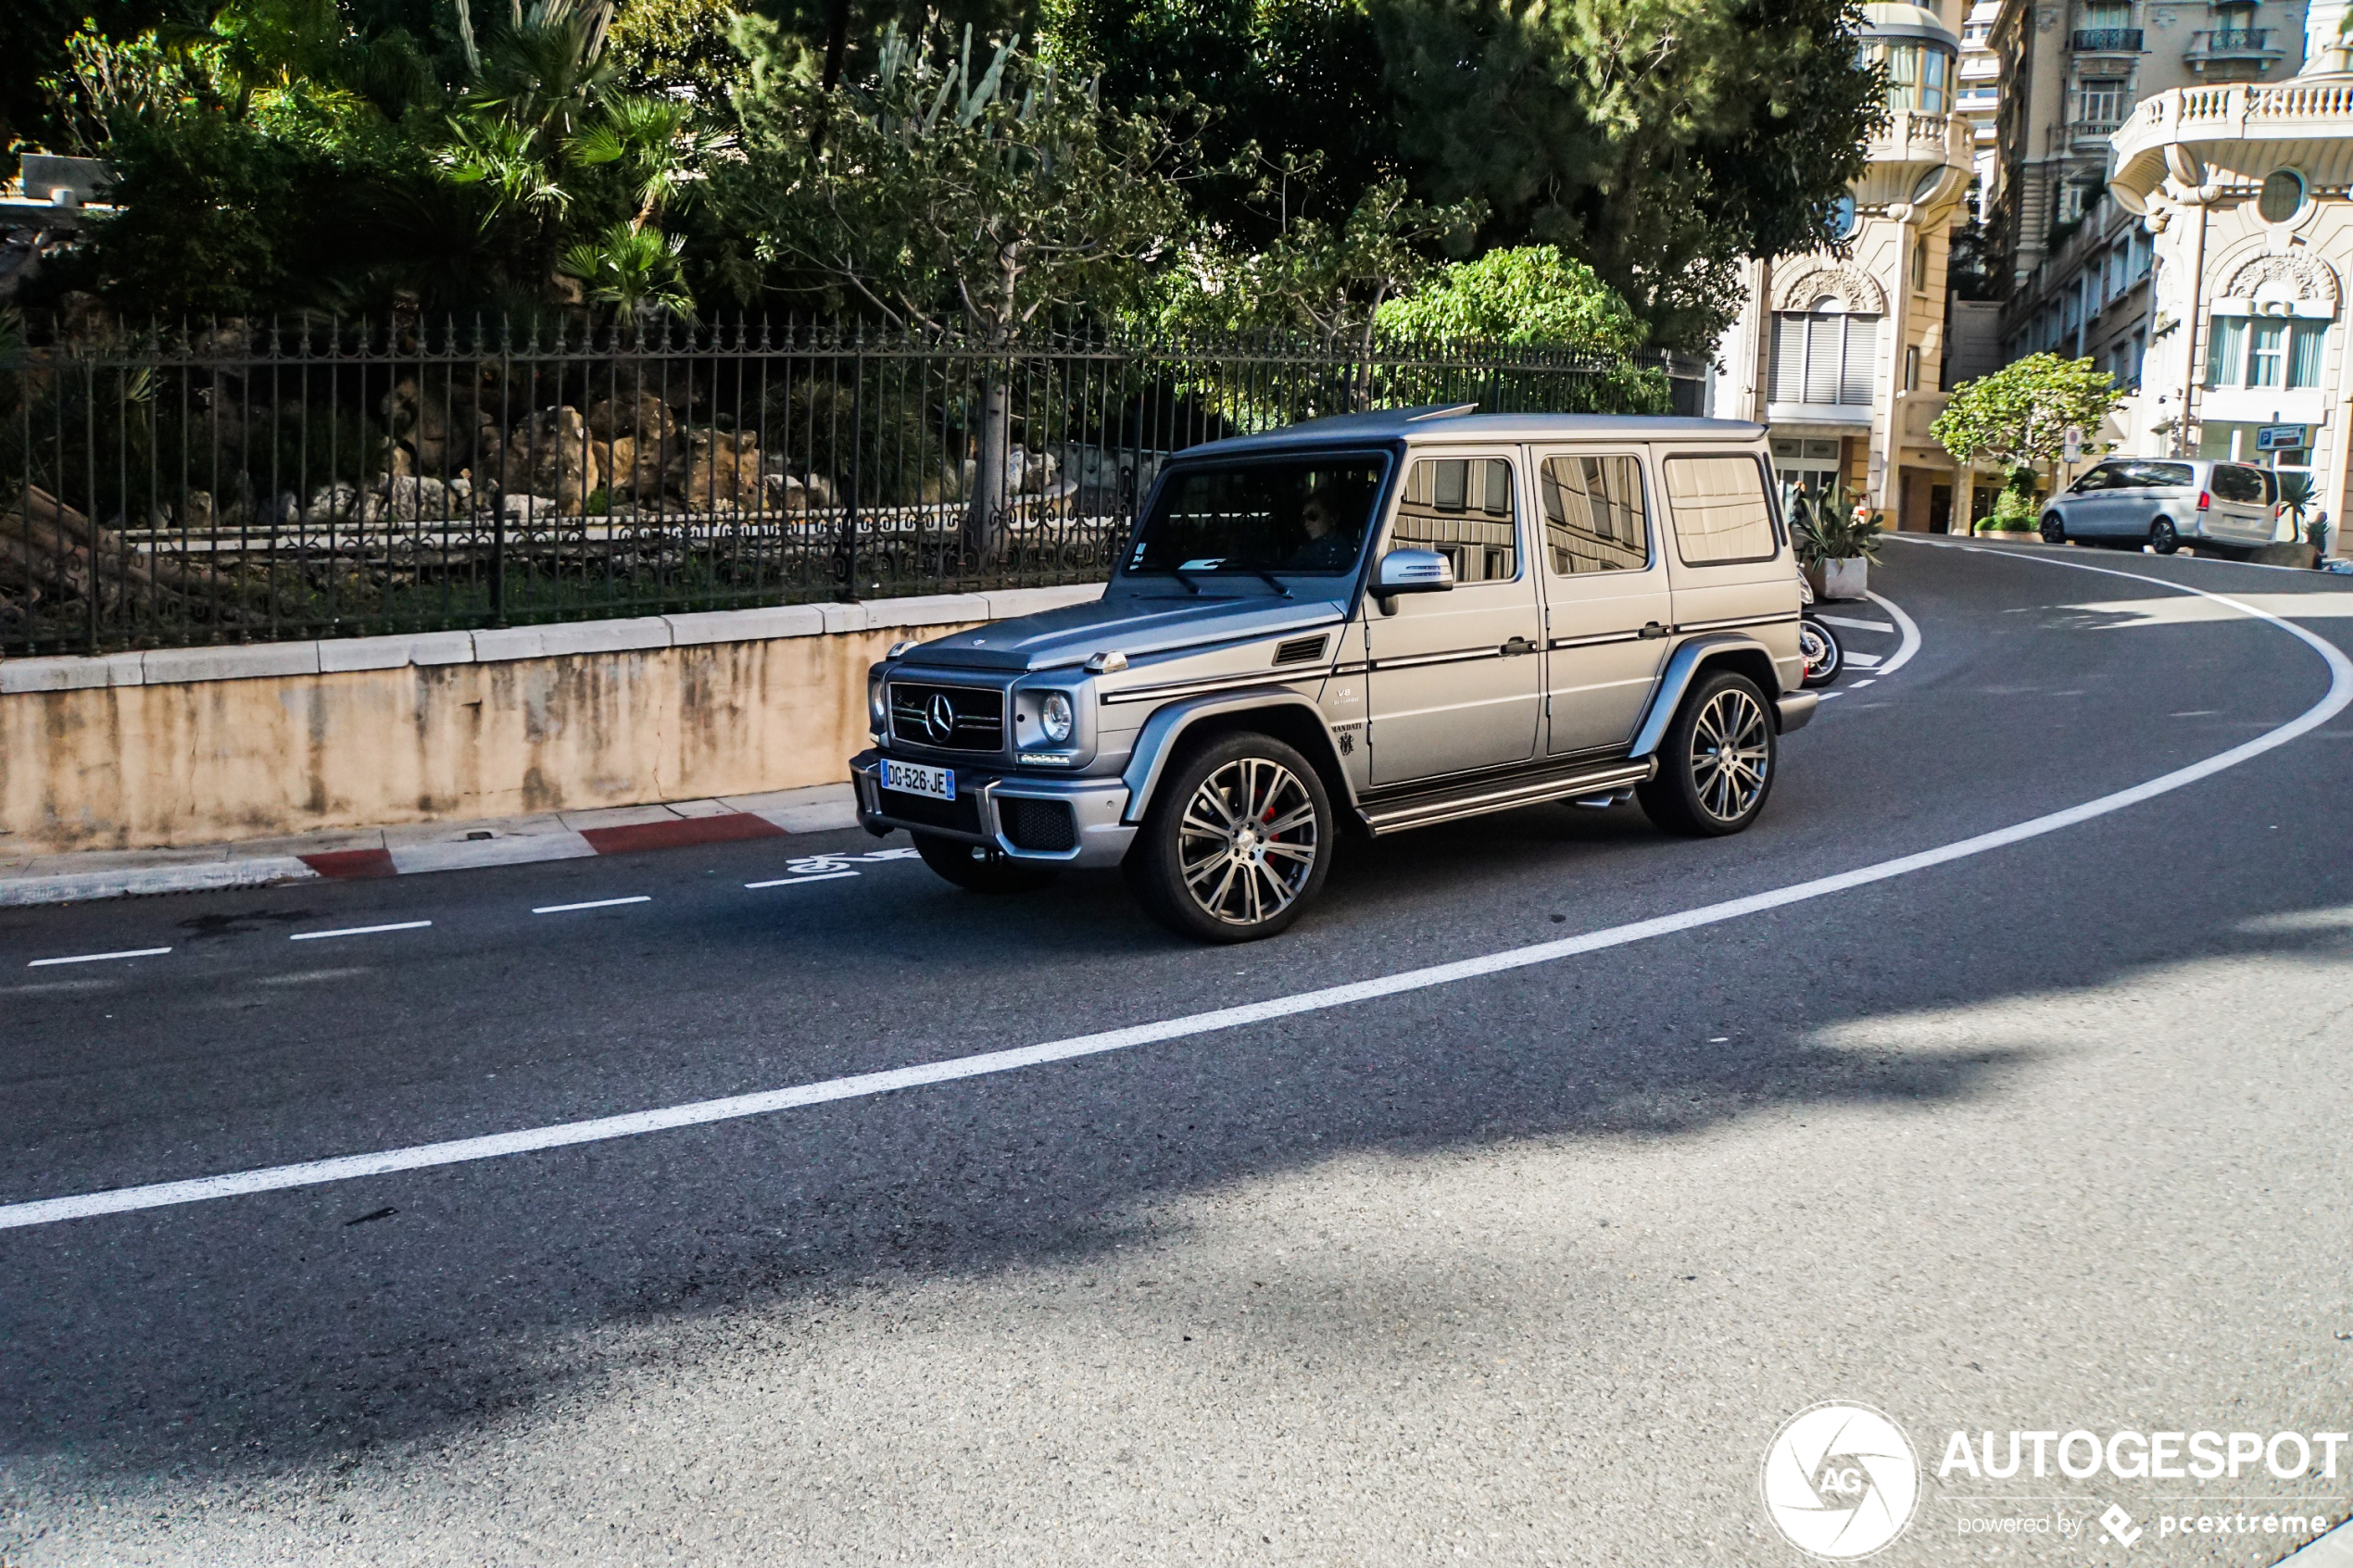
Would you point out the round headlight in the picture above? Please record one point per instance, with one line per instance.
(1054, 715)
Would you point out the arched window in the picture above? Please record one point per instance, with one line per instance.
(1823, 355)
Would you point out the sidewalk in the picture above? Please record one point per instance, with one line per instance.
(422, 847)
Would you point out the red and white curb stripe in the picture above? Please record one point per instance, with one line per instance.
(554, 843)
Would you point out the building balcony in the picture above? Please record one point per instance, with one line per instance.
(2241, 49)
(2093, 132)
(1912, 146)
(2105, 41)
(2217, 125)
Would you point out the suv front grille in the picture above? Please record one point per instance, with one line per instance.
(947, 718)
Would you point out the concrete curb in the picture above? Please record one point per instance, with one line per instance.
(2332, 1550)
(441, 846)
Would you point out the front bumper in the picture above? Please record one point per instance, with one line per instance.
(979, 813)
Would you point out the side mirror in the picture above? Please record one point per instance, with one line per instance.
(1413, 572)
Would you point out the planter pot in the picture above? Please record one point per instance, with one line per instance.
(1841, 578)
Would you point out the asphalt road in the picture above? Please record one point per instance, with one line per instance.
(1526, 1267)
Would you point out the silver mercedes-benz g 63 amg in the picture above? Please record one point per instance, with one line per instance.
(1371, 622)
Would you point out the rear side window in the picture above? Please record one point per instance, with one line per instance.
(2153, 476)
(1721, 515)
(1462, 508)
(2107, 476)
(1594, 519)
(2234, 482)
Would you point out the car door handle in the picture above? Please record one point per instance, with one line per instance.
(1652, 629)
(1517, 646)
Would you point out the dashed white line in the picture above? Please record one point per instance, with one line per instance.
(357, 931)
(1862, 660)
(1857, 625)
(794, 881)
(2339, 695)
(100, 958)
(593, 904)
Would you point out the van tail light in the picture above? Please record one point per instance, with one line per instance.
(2204, 500)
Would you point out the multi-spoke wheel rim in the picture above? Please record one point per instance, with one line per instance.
(1731, 748)
(1815, 648)
(1247, 842)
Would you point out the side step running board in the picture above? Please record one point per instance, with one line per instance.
(1502, 795)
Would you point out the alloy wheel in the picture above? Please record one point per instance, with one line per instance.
(1731, 743)
(1247, 842)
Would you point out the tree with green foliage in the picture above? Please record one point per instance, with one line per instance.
(1528, 295)
(2019, 417)
(933, 195)
(1660, 141)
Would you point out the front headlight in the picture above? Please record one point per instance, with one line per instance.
(878, 708)
(1056, 718)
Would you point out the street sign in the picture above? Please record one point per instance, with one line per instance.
(2073, 451)
(2279, 438)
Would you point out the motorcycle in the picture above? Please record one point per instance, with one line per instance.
(1824, 658)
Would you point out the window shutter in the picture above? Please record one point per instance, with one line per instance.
(1788, 358)
(1821, 358)
(1862, 346)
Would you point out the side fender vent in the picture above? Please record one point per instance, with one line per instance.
(1301, 650)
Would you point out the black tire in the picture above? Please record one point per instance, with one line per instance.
(2054, 529)
(1824, 658)
(979, 868)
(2163, 538)
(1715, 763)
(1236, 843)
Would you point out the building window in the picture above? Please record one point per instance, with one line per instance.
(1919, 76)
(1912, 369)
(2281, 196)
(1823, 355)
(1919, 266)
(2102, 103)
(2264, 351)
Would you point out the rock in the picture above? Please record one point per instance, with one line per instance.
(722, 471)
(526, 508)
(440, 433)
(1031, 471)
(416, 499)
(642, 468)
(822, 493)
(195, 509)
(549, 452)
(331, 503)
(613, 416)
(285, 510)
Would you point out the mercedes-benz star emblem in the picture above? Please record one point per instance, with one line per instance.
(940, 719)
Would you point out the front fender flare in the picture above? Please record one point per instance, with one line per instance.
(1682, 668)
(1158, 739)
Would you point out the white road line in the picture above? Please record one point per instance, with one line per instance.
(1911, 643)
(593, 904)
(100, 958)
(792, 880)
(49, 1210)
(1862, 660)
(1857, 625)
(357, 931)
(1859, 685)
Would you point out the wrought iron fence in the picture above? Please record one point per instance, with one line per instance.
(243, 481)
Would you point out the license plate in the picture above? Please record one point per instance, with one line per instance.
(913, 778)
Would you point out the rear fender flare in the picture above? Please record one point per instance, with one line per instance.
(1685, 666)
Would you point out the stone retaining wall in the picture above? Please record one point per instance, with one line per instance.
(200, 745)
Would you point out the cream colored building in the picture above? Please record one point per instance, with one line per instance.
(2247, 191)
(1841, 351)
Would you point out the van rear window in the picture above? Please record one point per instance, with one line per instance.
(2235, 482)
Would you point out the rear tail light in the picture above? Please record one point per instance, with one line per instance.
(2204, 500)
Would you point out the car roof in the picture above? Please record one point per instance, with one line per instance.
(1462, 422)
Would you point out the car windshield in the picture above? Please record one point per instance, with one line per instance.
(1299, 516)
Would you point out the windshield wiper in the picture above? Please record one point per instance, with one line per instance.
(1178, 573)
(1272, 581)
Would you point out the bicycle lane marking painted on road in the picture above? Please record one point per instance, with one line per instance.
(51, 1210)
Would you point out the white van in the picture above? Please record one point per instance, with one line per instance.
(2166, 503)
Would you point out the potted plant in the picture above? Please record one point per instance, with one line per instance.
(2308, 531)
(1836, 543)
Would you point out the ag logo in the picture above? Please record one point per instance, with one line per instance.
(1841, 1480)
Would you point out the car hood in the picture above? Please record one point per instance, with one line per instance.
(1130, 625)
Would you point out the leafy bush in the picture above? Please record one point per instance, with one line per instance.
(1835, 527)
